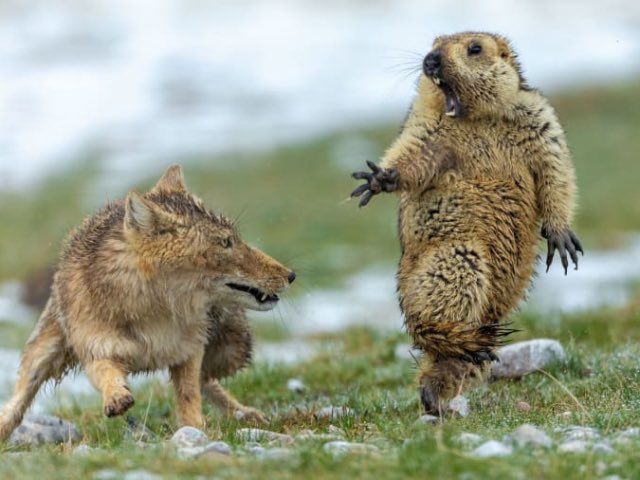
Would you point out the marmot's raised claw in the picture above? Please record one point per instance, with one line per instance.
(563, 241)
(378, 180)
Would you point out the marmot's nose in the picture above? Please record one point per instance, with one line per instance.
(432, 63)
(291, 277)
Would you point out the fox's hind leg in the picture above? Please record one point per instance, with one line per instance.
(444, 298)
(44, 357)
(228, 350)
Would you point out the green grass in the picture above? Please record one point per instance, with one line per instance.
(598, 385)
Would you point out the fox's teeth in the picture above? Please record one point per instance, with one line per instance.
(436, 80)
(264, 297)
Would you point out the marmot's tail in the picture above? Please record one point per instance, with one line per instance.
(454, 339)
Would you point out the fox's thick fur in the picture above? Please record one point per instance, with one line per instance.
(155, 281)
(480, 165)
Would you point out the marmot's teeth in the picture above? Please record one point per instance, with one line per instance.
(436, 80)
(450, 113)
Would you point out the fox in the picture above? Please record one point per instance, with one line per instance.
(154, 281)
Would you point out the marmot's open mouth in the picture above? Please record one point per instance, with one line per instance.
(259, 295)
(452, 104)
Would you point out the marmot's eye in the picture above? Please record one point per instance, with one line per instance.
(226, 242)
(474, 49)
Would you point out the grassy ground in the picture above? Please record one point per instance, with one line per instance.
(598, 385)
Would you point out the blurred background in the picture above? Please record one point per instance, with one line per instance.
(269, 106)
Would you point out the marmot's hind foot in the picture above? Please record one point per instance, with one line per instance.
(477, 358)
(430, 401)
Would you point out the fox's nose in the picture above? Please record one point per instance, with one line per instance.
(292, 276)
(432, 63)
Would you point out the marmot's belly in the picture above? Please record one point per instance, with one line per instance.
(496, 218)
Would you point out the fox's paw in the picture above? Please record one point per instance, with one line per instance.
(378, 180)
(119, 401)
(251, 415)
(565, 241)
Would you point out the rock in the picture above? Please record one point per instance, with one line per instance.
(492, 448)
(271, 453)
(579, 433)
(334, 413)
(333, 430)
(522, 358)
(529, 435)
(141, 475)
(459, 406)
(259, 435)
(427, 419)
(310, 435)
(627, 436)
(574, 446)
(602, 448)
(138, 432)
(211, 449)
(106, 474)
(189, 437)
(296, 385)
(523, 407)
(40, 429)
(82, 449)
(338, 448)
(468, 439)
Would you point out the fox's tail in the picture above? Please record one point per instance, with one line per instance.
(44, 357)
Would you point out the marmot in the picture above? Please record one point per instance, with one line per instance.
(480, 164)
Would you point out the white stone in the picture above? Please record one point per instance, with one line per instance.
(492, 448)
(82, 449)
(222, 448)
(141, 475)
(334, 413)
(106, 474)
(271, 453)
(187, 437)
(459, 406)
(427, 419)
(529, 435)
(574, 446)
(580, 433)
(40, 429)
(339, 447)
(602, 448)
(259, 435)
(522, 358)
(468, 439)
(296, 385)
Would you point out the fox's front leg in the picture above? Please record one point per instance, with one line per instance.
(186, 381)
(110, 378)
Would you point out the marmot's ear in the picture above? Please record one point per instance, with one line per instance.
(172, 180)
(144, 216)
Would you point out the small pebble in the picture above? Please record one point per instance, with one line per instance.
(529, 435)
(459, 406)
(333, 413)
(141, 475)
(427, 420)
(602, 448)
(295, 385)
(580, 433)
(271, 453)
(492, 448)
(338, 448)
(259, 435)
(82, 449)
(574, 446)
(468, 439)
(523, 406)
(187, 437)
(106, 474)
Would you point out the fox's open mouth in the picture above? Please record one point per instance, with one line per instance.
(452, 104)
(260, 296)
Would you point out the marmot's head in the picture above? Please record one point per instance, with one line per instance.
(475, 73)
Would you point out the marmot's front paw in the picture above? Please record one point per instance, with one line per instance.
(562, 241)
(378, 180)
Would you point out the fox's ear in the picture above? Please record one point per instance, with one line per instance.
(172, 180)
(144, 216)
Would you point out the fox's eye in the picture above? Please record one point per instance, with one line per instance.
(226, 242)
(474, 49)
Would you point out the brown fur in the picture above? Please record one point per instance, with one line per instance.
(473, 190)
(143, 285)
